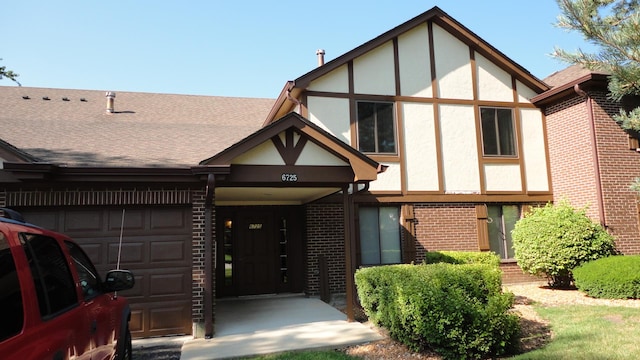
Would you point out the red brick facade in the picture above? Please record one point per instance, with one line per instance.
(325, 239)
(577, 174)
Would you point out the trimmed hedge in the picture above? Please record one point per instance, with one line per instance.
(457, 310)
(462, 257)
(613, 277)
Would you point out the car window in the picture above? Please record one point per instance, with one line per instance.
(52, 278)
(89, 278)
(11, 311)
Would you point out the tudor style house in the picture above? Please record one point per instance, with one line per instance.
(424, 138)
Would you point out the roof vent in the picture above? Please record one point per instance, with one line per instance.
(111, 97)
(83, 99)
(320, 53)
(45, 98)
(65, 99)
(26, 97)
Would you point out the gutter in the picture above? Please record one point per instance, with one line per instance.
(594, 151)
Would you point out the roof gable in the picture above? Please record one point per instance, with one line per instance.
(292, 140)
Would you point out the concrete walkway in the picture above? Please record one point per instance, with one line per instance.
(258, 326)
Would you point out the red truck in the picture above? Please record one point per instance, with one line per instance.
(53, 303)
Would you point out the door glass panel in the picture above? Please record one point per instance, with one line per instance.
(369, 245)
(284, 268)
(228, 252)
(390, 235)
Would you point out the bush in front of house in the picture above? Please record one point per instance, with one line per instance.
(551, 241)
(457, 310)
(462, 257)
(613, 277)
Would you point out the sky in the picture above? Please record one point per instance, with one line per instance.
(239, 48)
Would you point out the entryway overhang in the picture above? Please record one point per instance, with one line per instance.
(291, 161)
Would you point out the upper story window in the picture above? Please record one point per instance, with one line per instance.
(376, 128)
(498, 138)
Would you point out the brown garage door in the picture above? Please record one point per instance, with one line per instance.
(156, 247)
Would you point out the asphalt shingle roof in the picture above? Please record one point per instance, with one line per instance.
(145, 130)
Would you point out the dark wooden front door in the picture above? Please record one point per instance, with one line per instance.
(255, 255)
(260, 250)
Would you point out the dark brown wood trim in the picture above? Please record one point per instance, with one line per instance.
(432, 61)
(304, 175)
(532, 197)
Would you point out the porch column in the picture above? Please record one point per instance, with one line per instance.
(349, 251)
(208, 255)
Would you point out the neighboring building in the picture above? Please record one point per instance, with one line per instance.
(424, 138)
(593, 160)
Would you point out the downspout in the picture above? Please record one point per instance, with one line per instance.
(594, 151)
(208, 254)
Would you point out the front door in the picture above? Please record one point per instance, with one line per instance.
(259, 250)
(255, 255)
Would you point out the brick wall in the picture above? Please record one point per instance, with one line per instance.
(325, 236)
(445, 227)
(573, 170)
(198, 255)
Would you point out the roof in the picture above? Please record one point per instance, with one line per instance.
(73, 128)
(284, 103)
(563, 82)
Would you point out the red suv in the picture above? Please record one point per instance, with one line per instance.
(53, 304)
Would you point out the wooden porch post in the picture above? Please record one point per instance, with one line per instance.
(349, 246)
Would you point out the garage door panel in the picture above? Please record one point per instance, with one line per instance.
(156, 247)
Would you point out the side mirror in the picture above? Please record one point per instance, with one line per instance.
(118, 280)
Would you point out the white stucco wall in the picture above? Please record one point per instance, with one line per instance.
(332, 115)
(453, 66)
(534, 150)
(524, 93)
(263, 154)
(459, 149)
(420, 147)
(314, 155)
(415, 63)
(373, 72)
(502, 177)
(335, 81)
(388, 180)
(493, 83)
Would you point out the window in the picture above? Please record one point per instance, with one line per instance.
(376, 128)
(501, 220)
(497, 132)
(52, 278)
(379, 235)
(87, 274)
(11, 311)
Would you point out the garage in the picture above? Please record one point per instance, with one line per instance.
(156, 247)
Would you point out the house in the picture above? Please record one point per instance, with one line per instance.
(424, 138)
(593, 160)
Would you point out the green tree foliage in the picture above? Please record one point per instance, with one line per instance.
(613, 26)
(8, 74)
(551, 241)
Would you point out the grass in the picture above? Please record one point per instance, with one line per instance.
(590, 332)
(581, 332)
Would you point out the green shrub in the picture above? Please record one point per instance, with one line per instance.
(552, 240)
(457, 310)
(614, 277)
(462, 257)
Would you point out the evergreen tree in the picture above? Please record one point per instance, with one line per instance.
(613, 26)
(8, 74)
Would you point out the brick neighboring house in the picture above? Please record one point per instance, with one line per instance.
(593, 160)
(424, 138)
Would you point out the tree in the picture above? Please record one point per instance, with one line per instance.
(8, 74)
(613, 26)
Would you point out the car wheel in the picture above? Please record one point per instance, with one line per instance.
(126, 353)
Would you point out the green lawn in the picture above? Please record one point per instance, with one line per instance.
(581, 332)
(590, 333)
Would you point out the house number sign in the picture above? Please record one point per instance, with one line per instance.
(255, 226)
(288, 177)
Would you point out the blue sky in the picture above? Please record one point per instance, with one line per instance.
(238, 48)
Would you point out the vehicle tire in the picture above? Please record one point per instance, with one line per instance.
(127, 349)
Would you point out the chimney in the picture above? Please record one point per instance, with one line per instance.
(111, 96)
(320, 53)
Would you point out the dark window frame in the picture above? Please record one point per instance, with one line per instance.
(378, 141)
(495, 141)
(497, 226)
